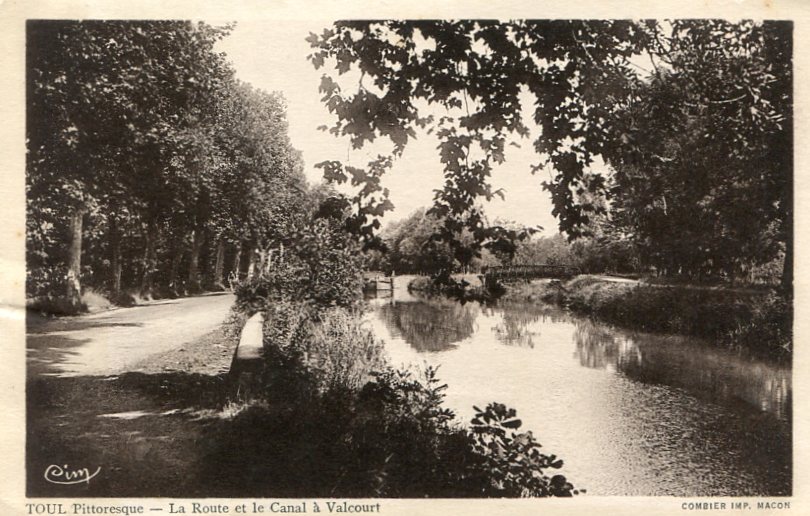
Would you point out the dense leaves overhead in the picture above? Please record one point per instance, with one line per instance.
(703, 177)
(727, 82)
(477, 71)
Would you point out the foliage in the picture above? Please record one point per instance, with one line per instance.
(513, 459)
(321, 266)
(340, 351)
(769, 329)
(757, 320)
(702, 180)
(412, 246)
(411, 249)
(476, 70)
(700, 145)
(338, 419)
(420, 284)
(553, 250)
(56, 305)
(606, 254)
(140, 129)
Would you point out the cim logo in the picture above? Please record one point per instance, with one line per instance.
(56, 474)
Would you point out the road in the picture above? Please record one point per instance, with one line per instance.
(135, 392)
(112, 342)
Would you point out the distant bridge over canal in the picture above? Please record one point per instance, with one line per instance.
(527, 272)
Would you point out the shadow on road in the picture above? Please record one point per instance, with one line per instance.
(45, 352)
(147, 429)
(145, 432)
(36, 324)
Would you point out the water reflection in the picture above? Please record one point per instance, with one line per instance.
(630, 413)
(516, 322)
(432, 326)
(708, 373)
(597, 347)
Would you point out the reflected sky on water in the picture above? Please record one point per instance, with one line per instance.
(630, 413)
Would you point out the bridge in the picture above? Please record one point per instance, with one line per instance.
(527, 272)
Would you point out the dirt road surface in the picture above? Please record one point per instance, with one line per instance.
(114, 341)
(137, 393)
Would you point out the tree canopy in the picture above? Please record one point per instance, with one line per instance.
(711, 100)
(146, 155)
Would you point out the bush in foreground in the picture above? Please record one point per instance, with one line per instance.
(335, 420)
(388, 428)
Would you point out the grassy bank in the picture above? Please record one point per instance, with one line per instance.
(758, 320)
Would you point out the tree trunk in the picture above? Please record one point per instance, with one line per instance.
(115, 261)
(252, 264)
(74, 287)
(177, 257)
(150, 260)
(787, 269)
(237, 261)
(197, 241)
(219, 266)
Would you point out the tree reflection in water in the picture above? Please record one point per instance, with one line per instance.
(714, 374)
(431, 326)
(517, 326)
(599, 348)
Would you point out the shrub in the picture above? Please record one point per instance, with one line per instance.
(122, 299)
(45, 287)
(322, 266)
(421, 283)
(55, 305)
(43, 281)
(337, 419)
(513, 460)
(770, 327)
(340, 351)
(392, 438)
(427, 453)
(331, 346)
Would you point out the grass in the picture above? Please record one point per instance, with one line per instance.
(758, 320)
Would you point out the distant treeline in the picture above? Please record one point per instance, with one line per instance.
(410, 248)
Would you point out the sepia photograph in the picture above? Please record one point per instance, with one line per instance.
(357, 259)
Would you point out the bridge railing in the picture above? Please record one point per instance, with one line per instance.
(509, 272)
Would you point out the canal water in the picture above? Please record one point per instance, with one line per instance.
(629, 413)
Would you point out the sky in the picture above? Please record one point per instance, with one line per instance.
(271, 55)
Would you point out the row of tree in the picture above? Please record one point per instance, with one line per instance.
(151, 169)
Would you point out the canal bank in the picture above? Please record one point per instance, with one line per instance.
(754, 320)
